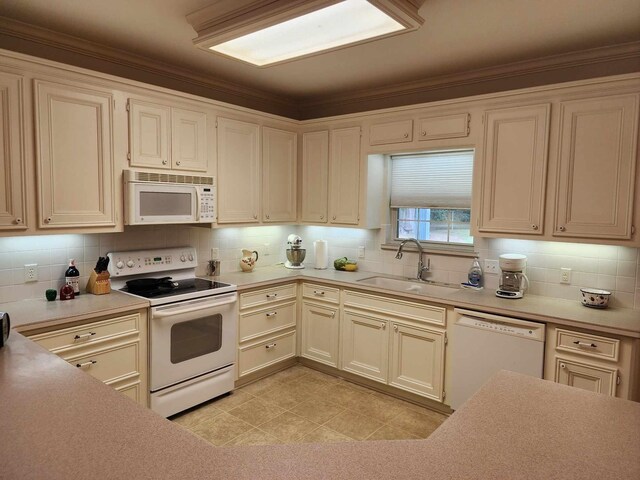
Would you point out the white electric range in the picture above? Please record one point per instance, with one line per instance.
(192, 325)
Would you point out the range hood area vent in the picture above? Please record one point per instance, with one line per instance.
(152, 177)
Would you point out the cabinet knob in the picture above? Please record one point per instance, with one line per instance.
(395, 328)
(406, 135)
(424, 133)
(561, 228)
(255, 216)
(333, 314)
(562, 365)
(178, 162)
(47, 220)
(267, 216)
(383, 326)
(164, 162)
(534, 226)
(334, 217)
(18, 220)
(321, 217)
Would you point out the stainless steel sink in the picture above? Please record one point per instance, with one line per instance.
(409, 285)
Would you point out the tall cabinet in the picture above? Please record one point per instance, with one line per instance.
(279, 172)
(315, 177)
(12, 160)
(74, 155)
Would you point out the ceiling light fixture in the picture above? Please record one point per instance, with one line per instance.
(270, 32)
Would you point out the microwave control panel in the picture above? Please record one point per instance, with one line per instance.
(207, 204)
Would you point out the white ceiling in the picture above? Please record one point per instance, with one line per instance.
(457, 36)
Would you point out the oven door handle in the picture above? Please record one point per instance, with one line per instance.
(180, 311)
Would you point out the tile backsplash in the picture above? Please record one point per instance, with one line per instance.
(608, 267)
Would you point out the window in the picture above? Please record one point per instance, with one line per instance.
(431, 196)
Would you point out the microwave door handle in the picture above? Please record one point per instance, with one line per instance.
(179, 311)
(198, 204)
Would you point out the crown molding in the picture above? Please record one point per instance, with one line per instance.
(422, 90)
(192, 82)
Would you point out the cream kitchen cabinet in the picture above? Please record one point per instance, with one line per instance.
(443, 126)
(400, 131)
(74, 155)
(315, 177)
(13, 196)
(593, 361)
(514, 167)
(238, 171)
(597, 171)
(320, 324)
(167, 137)
(111, 349)
(344, 176)
(398, 342)
(279, 173)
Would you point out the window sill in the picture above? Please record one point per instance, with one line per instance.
(450, 250)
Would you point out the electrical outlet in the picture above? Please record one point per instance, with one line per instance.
(491, 266)
(565, 275)
(215, 254)
(30, 272)
(266, 249)
(361, 251)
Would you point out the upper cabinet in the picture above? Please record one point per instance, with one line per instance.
(74, 155)
(315, 177)
(279, 173)
(167, 137)
(344, 176)
(12, 160)
(596, 171)
(391, 132)
(514, 166)
(238, 171)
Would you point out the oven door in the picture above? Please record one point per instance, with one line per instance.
(192, 338)
(158, 204)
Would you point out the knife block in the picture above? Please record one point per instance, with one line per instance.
(99, 283)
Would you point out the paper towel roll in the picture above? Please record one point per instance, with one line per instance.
(321, 249)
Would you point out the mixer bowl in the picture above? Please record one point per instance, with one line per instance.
(296, 255)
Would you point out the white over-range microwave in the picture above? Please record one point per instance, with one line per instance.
(166, 198)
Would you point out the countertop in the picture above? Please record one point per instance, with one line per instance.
(60, 423)
(622, 321)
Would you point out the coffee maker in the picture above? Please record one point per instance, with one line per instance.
(295, 252)
(513, 282)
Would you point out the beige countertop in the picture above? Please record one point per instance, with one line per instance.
(622, 321)
(37, 313)
(60, 423)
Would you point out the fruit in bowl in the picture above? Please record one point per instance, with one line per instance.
(345, 264)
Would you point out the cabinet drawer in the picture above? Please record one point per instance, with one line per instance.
(131, 387)
(399, 308)
(391, 132)
(259, 355)
(267, 295)
(587, 344)
(267, 320)
(108, 364)
(320, 292)
(446, 126)
(89, 333)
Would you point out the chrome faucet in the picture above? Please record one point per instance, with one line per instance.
(421, 266)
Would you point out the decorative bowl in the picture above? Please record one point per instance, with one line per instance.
(595, 298)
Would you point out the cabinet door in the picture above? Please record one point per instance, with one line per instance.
(188, 140)
(391, 132)
(514, 169)
(417, 360)
(238, 171)
(365, 347)
(148, 134)
(588, 377)
(74, 138)
(12, 162)
(315, 176)
(597, 167)
(344, 174)
(320, 331)
(279, 167)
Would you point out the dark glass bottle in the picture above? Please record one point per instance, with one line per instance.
(72, 277)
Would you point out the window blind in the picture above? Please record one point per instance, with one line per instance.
(432, 180)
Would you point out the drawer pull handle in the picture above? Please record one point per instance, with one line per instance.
(318, 292)
(270, 346)
(272, 314)
(587, 345)
(86, 364)
(271, 295)
(84, 335)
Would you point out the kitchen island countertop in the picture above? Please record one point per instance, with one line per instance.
(61, 423)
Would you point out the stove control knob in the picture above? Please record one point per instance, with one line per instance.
(120, 264)
(130, 264)
(191, 257)
(183, 258)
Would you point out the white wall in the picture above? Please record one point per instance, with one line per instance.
(612, 268)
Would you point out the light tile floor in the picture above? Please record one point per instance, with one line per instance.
(300, 405)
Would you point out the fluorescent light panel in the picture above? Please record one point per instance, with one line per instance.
(330, 27)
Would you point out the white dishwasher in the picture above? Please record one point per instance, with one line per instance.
(483, 343)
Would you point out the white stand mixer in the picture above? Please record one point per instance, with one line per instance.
(295, 253)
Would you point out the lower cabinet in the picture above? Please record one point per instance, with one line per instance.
(588, 377)
(113, 350)
(393, 348)
(320, 333)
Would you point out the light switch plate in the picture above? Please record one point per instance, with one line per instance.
(491, 266)
(215, 254)
(361, 251)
